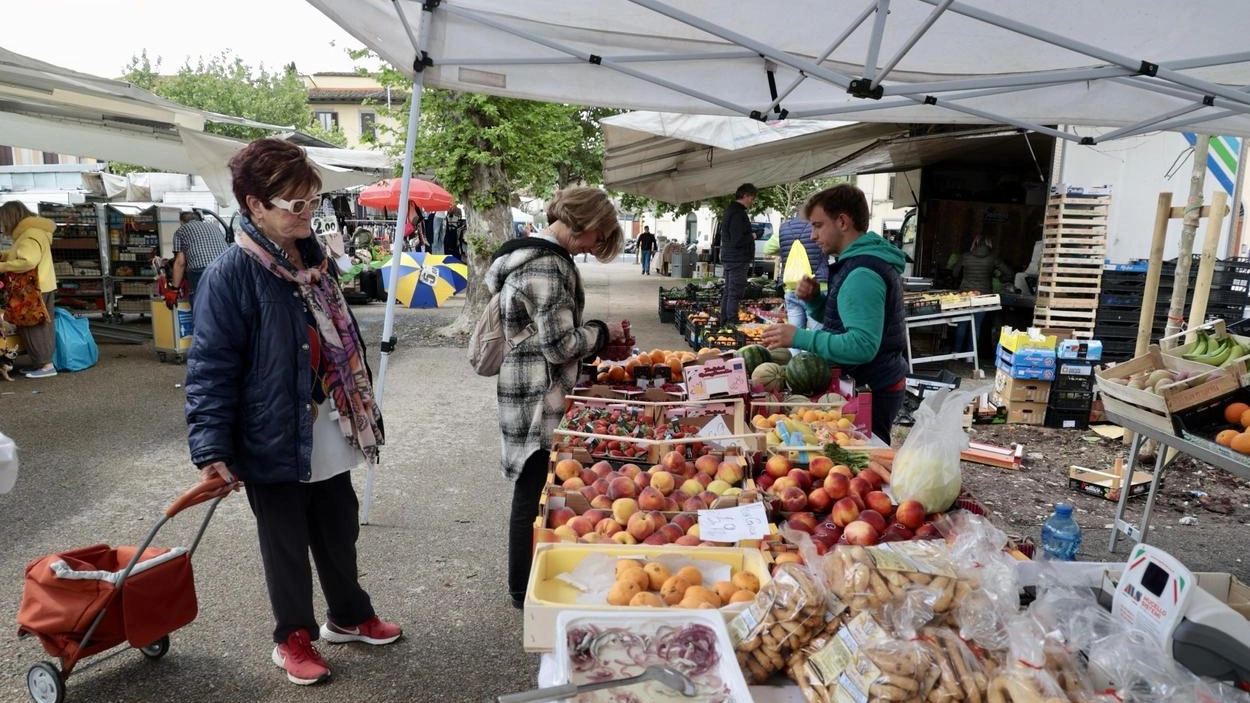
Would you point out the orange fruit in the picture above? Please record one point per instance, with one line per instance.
(616, 373)
(1241, 443)
(1244, 420)
(657, 356)
(1225, 437)
(674, 365)
(1233, 413)
(631, 365)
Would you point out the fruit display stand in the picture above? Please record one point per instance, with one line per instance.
(952, 313)
(690, 429)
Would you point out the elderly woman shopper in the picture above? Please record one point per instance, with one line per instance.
(279, 398)
(541, 294)
(32, 242)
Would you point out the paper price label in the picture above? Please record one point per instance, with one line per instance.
(733, 524)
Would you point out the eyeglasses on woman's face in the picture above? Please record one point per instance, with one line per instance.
(298, 206)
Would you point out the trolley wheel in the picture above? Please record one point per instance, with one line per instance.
(45, 683)
(157, 649)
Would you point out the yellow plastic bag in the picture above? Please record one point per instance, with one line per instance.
(797, 266)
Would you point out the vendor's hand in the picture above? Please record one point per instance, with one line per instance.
(778, 336)
(219, 468)
(806, 288)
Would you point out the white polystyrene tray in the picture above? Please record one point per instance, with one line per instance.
(730, 672)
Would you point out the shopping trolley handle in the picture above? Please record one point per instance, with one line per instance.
(205, 490)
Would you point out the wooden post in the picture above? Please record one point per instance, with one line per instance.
(1185, 251)
(1150, 294)
(1206, 265)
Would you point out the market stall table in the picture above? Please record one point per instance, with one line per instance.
(951, 317)
(1141, 432)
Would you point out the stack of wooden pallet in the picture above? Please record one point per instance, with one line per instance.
(1074, 245)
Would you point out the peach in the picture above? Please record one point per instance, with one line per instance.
(707, 464)
(630, 471)
(693, 504)
(565, 533)
(837, 486)
(777, 466)
(601, 486)
(729, 471)
(693, 530)
(709, 497)
(574, 484)
(765, 482)
(819, 466)
(597, 514)
(793, 499)
(842, 469)
(802, 478)
(928, 531)
(624, 537)
(622, 487)
(581, 525)
(670, 503)
(874, 518)
(568, 468)
(703, 479)
(685, 520)
(601, 468)
(827, 532)
(559, 516)
(819, 500)
(910, 513)
(718, 487)
(651, 499)
(601, 501)
(588, 493)
(674, 462)
(783, 483)
(622, 508)
(691, 487)
(593, 538)
(687, 540)
(897, 532)
(589, 477)
(860, 487)
(608, 527)
(655, 539)
(670, 532)
(844, 512)
(803, 522)
(880, 502)
(872, 477)
(663, 482)
(639, 526)
(657, 519)
(642, 480)
(861, 533)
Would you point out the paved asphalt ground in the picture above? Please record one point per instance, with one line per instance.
(104, 452)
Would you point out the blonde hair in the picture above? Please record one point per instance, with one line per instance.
(12, 213)
(587, 210)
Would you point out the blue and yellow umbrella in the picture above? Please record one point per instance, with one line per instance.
(426, 280)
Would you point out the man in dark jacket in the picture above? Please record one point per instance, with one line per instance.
(737, 250)
(646, 248)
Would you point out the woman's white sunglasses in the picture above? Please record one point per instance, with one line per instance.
(297, 207)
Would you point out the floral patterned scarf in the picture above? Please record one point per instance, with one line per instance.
(346, 377)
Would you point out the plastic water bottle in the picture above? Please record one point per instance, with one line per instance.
(1061, 536)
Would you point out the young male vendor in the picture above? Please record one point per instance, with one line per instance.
(864, 328)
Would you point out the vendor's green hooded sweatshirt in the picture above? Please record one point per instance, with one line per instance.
(864, 327)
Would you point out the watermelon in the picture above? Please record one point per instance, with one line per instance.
(769, 375)
(780, 355)
(754, 355)
(808, 374)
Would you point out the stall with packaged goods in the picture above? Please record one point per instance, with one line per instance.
(78, 247)
(137, 233)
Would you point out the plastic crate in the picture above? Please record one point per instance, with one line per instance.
(1075, 383)
(1071, 400)
(1067, 419)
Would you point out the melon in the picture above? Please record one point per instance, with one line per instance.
(780, 355)
(808, 374)
(754, 355)
(769, 375)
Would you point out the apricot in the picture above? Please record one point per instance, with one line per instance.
(1241, 443)
(746, 581)
(691, 575)
(622, 592)
(647, 599)
(674, 589)
(1225, 437)
(657, 573)
(1234, 411)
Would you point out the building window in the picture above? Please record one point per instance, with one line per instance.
(6, 156)
(50, 157)
(368, 122)
(328, 120)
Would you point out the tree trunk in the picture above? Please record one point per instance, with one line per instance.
(486, 229)
(1185, 250)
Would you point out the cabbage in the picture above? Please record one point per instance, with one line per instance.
(927, 468)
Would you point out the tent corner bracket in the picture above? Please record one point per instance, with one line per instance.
(1148, 69)
(388, 346)
(863, 88)
(1087, 141)
(419, 63)
(1208, 100)
(595, 59)
(430, 5)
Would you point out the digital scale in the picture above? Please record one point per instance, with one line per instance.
(1158, 595)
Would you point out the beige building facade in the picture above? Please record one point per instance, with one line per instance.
(351, 102)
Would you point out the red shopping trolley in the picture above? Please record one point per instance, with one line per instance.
(85, 601)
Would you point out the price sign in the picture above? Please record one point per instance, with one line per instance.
(733, 524)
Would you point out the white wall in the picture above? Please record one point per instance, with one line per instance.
(876, 187)
(1137, 169)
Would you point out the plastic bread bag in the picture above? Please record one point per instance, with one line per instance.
(1024, 676)
(786, 614)
(1138, 670)
(962, 676)
(993, 596)
(926, 468)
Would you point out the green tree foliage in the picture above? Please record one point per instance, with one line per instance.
(225, 84)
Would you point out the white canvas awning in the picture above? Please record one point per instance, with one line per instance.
(50, 108)
(1135, 64)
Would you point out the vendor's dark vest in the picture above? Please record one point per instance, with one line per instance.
(889, 366)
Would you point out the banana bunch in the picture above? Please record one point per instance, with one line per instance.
(1215, 352)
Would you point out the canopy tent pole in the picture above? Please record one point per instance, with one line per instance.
(1148, 123)
(388, 342)
(874, 43)
(1232, 243)
(911, 41)
(833, 46)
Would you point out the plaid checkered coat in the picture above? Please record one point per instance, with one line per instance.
(544, 289)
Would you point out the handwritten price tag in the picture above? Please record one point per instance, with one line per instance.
(733, 524)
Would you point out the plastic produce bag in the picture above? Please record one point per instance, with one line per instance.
(75, 347)
(926, 468)
(787, 613)
(8, 464)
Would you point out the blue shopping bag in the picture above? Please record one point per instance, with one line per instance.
(75, 347)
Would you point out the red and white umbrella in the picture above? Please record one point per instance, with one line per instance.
(430, 197)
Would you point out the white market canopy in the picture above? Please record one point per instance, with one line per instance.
(50, 108)
(1138, 65)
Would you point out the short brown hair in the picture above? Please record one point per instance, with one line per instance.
(842, 198)
(12, 213)
(589, 209)
(271, 168)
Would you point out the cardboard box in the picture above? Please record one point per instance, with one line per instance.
(1013, 340)
(1008, 390)
(1106, 484)
(1089, 349)
(547, 596)
(1025, 372)
(1026, 413)
(716, 378)
(1228, 589)
(1028, 358)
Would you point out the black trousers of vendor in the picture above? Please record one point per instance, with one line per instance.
(525, 495)
(293, 519)
(885, 407)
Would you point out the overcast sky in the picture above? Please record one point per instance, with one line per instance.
(100, 36)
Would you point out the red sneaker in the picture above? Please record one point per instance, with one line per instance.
(372, 631)
(300, 659)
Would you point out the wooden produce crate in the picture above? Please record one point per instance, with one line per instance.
(1074, 247)
(737, 432)
(1153, 409)
(1107, 484)
(1218, 330)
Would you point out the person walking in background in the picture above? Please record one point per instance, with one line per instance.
(977, 268)
(736, 244)
(414, 229)
(453, 238)
(646, 248)
(540, 290)
(196, 245)
(797, 231)
(32, 251)
(280, 399)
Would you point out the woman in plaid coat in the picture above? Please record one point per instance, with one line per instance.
(542, 292)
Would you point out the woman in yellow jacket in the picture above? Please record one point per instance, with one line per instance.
(32, 249)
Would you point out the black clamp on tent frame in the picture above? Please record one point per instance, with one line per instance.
(430, 5)
(861, 88)
(388, 346)
(770, 70)
(1148, 69)
(595, 59)
(419, 63)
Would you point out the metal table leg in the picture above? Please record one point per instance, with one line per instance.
(910, 367)
(1160, 462)
(976, 357)
(1126, 483)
